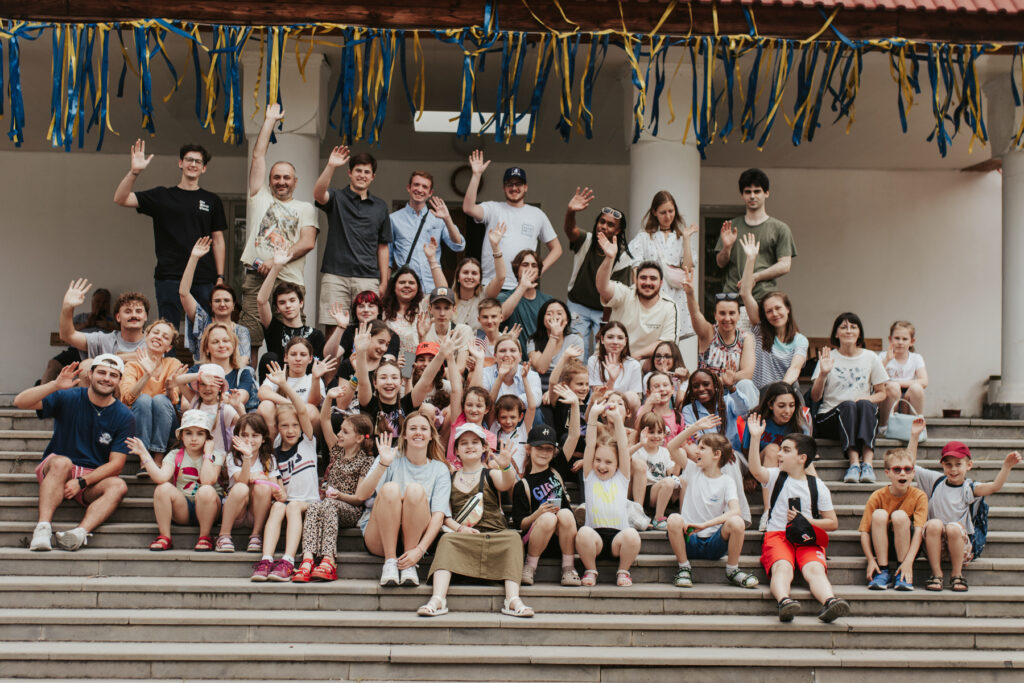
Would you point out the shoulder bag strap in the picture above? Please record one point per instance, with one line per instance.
(408, 257)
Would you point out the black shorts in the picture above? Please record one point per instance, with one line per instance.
(607, 536)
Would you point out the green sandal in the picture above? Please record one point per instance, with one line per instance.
(740, 578)
(683, 578)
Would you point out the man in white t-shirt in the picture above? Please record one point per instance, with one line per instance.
(527, 225)
(274, 218)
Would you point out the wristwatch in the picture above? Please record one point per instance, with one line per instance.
(81, 483)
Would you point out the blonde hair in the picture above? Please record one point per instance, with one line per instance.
(894, 454)
(161, 321)
(204, 343)
(908, 326)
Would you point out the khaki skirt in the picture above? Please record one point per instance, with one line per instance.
(494, 556)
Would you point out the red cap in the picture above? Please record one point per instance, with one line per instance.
(956, 449)
(428, 347)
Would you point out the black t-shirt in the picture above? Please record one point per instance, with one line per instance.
(561, 412)
(584, 289)
(355, 226)
(180, 217)
(277, 335)
(542, 486)
(388, 417)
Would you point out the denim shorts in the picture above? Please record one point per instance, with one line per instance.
(714, 547)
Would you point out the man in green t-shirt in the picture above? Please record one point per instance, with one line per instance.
(775, 257)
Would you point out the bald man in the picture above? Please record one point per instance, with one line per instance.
(273, 219)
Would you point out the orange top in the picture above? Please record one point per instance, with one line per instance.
(914, 502)
(157, 383)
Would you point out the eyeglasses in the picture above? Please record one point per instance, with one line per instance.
(193, 160)
(617, 215)
(906, 469)
(727, 296)
(663, 356)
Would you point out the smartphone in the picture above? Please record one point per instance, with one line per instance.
(794, 504)
(557, 502)
(410, 358)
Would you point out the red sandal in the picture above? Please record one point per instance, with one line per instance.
(204, 544)
(161, 543)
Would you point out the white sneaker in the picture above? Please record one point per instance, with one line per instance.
(882, 429)
(410, 577)
(72, 539)
(763, 524)
(41, 537)
(389, 574)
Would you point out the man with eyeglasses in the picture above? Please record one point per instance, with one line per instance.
(181, 215)
(777, 247)
(584, 303)
(527, 225)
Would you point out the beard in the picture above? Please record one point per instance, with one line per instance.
(643, 296)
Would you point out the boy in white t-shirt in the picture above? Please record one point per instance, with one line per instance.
(709, 524)
(779, 556)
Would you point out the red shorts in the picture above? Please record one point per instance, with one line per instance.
(776, 548)
(76, 472)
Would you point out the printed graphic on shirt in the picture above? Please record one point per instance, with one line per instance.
(279, 228)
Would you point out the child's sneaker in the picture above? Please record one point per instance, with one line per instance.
(852, 475)
(325, 571)
(867, 474)
(409, 577)
(763, 524)
(880, 582)
(389, 573)
(305, 571)
(833, 609)
(72, 539)
(661, 524)
(282, 571)
(41, 537)
(902, 584)
(261, 570)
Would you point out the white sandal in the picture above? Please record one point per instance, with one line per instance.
(428, 610)
(521, 611)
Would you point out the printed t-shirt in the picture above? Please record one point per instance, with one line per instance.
(180, 218)
(297, 466)
(84, 432)
(272, 223)
(606, 501)
(542, 486)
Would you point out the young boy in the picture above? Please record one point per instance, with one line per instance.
(779, 556)
(489, 317)
(513, 422)
(950, 497)
(442, 314)
(901, 508)
(572, 374)
(651, 481)
(288, 301)
(709, 524)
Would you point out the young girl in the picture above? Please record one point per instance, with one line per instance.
(365, 307)
(295, 452)
(612, 366)
(351, 458)
(850, 384)
(668, 359)
(223, 405)
(606, 468)
(780, 351)
(782, 414)
(907, 374)
(513, 422)
(486, 549)
(412, 488)
(709, 524)
(475, 403)
(540, 504)
(298, 353)
(148, 388)
(659, 402)
(552, 339)
(254, 481)
(187, 491)
(652, 469)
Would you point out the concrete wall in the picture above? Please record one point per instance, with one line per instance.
(917, 245)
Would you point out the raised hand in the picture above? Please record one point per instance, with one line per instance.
(687, 281)
(690, 230)
(573, 351)
(1012, 459)
(581, 199)
(385, 450)
(728, 234)
(276, 374)
(202, 247)
(513, 331)
(825, 361)
(75, 296)
(430, 249)
(136, 447)
(243, 447)
(339, 157)
(755, 425)
(324, 366)
(506, 370)
(438, 207)
(282, 255)
(334, 392)
(68, 376)
(340, 314)
(526, 367)
(477, 350)
(477, 163)
(361, 339)
(145, 360)
(233, 397)
(448, 345)
(138, 157)
(565, 394)
(528, 278)
(503, 458)
(707, 422)
(728, 374)
(423, 323)
(495, 235)
(612, 370)
(274, 112)
(751, 247)
(608, 246)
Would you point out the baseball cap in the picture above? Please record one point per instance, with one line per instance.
(442, 294)
(471, 428)
(514, 173)
(542, 435)
(195, 418)
(110, 360)
(956, 449)
(208, 372)
(428, 347)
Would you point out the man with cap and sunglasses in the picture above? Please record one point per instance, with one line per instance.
(87, 451)
(526, 224)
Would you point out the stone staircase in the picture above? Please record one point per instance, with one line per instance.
(117, 610)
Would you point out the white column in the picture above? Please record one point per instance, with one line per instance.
(665, 163)
(305, 107)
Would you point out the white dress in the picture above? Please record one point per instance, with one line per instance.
(666, 248)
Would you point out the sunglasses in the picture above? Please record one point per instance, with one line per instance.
(617, 215)
(904, 469)
(727, 296)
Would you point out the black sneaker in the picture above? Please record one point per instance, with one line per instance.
(833, 609)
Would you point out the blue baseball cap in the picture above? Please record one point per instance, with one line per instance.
(514, 173)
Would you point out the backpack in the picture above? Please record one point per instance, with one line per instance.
(979, 517)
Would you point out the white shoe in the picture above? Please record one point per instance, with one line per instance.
(41, 537)
(72, 539)
(410, 577)
(882, 429)
(763, 524)
(389, 574)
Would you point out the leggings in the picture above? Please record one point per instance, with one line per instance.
(320, 528)
(853, 423)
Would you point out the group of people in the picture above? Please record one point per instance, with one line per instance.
(424, 408)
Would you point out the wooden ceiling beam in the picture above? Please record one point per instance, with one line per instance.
(641, 17)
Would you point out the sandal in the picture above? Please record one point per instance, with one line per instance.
(683, 578)
(570, 577)
(958, 584)
(225, 544)
(161, 543)
(934, 583)
(255, 544)
(623, 579)
(788, 608)
(589, 577)
(304, 571)
(740, 578)
(661, 524)
(204, 544)
(521, 611)
(428, 610)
